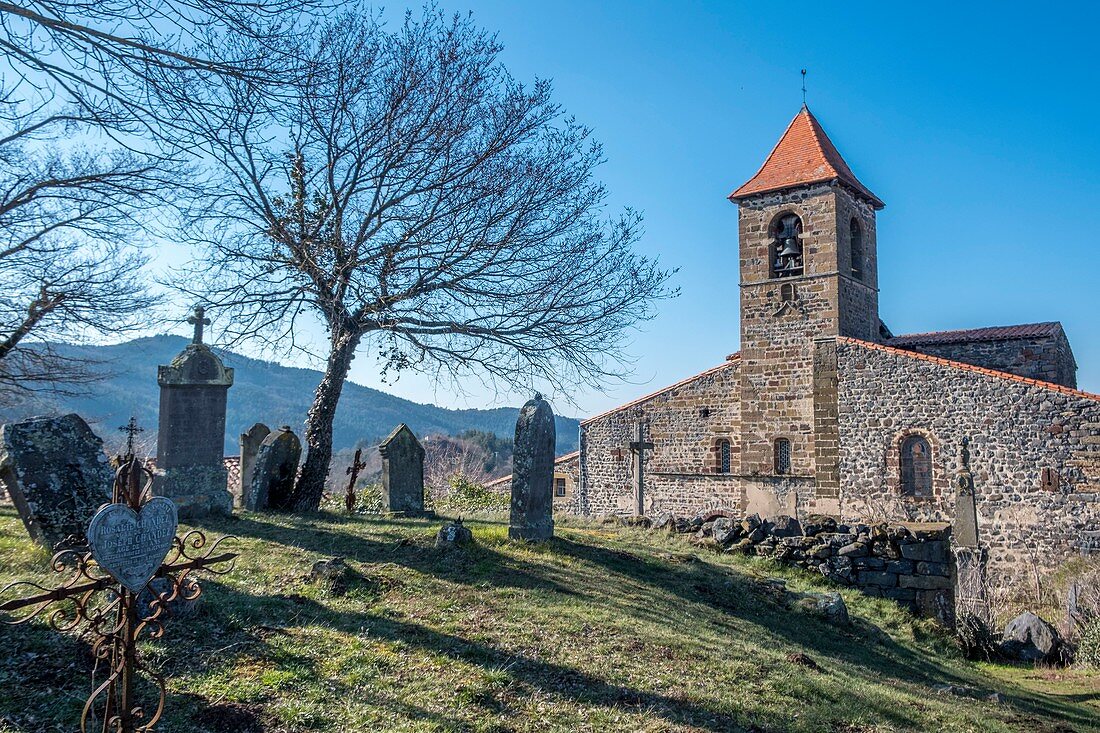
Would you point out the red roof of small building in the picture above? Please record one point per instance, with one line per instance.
(995, 333)
(804, 155)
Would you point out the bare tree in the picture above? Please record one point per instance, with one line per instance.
(66, 268)
(415, 199)
(77, 161)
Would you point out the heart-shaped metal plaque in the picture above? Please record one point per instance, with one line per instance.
(131, 545)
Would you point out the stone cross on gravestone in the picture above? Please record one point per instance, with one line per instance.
(198, 321)
(353, 470)
(638, 447)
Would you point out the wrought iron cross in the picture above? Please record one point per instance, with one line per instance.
(131, 429)
(353, 471)
(91, 597)
(198, 321)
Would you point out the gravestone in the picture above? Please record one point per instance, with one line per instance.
(971, 601)
(532, 509)
(57, 475)
(131, 545)
(191, 436)
(964, 529)
(250, 442)
(402, 472)
(274, 472)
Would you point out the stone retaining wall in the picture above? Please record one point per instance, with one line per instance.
(910, 564)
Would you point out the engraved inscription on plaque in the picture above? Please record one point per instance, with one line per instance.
(132, 545)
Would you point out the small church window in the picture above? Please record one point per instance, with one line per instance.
(856, 248)
(559, 486)
(786, 247)
(782, 456)
(1050, 479)
(916, 466)
(786, 292)
(724, 456)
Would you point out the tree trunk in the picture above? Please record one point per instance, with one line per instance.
(311, 481)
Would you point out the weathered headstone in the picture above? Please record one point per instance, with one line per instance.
(57, 475)
(250, 442)
(191, 436)
(971, 601)
(532, 509)
(274, 473)
(964, 529)
(402, 472)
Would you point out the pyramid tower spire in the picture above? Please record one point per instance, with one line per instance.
(803, 155)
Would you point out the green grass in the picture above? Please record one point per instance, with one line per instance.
(602, 629)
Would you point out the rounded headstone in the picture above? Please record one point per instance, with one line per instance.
(275, 471)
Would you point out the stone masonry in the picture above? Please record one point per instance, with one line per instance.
(825, 412)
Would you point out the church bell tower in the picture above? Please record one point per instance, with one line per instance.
(809, 270)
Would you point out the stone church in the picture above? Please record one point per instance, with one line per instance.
(824, 410)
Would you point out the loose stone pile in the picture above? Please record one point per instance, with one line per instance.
(909, 565)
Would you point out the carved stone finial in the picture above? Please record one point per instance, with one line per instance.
(964, 454)
(198, 321)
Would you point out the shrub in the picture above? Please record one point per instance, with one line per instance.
(1088, 646)
(465, 496)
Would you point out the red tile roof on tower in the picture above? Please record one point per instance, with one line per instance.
(804, 155)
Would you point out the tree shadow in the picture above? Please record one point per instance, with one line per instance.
(418, 553)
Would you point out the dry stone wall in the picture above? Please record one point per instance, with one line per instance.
(910, 564)
(1035, 450)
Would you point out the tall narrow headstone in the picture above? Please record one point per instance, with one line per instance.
(57, 475)
(402, 472)
(275, 471)
(250, 441)
(971, 601)
(532, 510)
(191, 436)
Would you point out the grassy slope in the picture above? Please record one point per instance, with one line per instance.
(599, 630)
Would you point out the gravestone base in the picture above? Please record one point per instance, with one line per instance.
(196, 490)
(532, 532)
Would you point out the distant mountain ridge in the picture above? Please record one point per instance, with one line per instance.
(262, 391)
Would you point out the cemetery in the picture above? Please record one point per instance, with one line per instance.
(408, 618)
(331, 344)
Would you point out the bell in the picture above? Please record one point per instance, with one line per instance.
(791, 248)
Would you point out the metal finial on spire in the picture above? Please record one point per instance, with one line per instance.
(803, 87)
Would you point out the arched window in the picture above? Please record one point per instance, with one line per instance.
(856, 248)
(782, 456)
(786, 293)
(916, 466)
(724, 456)
(786, 246)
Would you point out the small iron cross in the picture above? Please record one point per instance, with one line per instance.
(198, 321)
(353, 471)
(131, 429)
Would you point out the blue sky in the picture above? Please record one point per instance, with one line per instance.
(975, 123)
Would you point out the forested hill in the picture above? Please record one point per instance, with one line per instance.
(261, 392)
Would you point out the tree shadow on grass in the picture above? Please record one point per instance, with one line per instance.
(696, 582)
(478, 564)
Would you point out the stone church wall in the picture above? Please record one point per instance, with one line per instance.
(1017, 427)
(1048, 359)
(685, 423)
